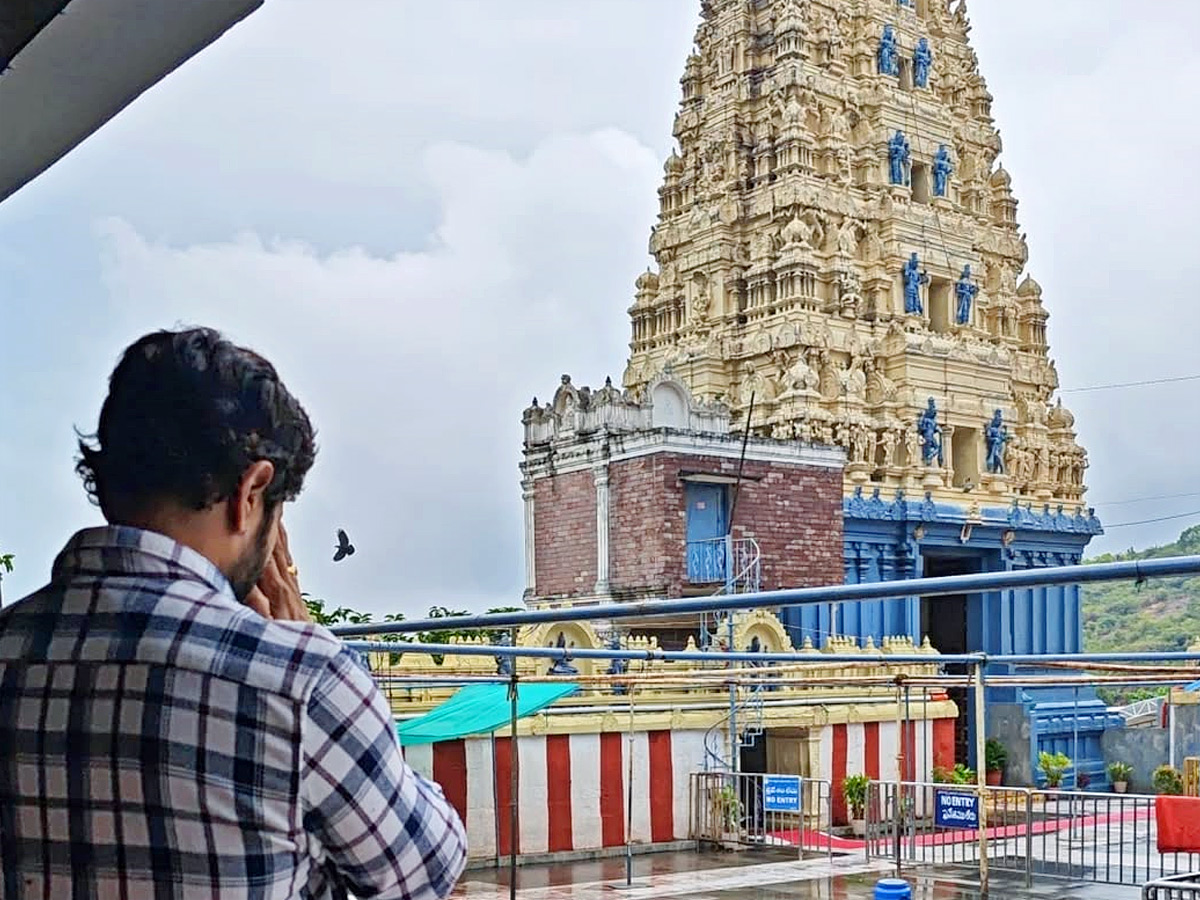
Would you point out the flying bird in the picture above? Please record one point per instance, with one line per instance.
(344, 547)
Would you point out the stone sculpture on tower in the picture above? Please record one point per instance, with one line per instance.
(922, 63)
(931, 436)
(943, 168)
(899, 153)
(997, 441)
(966, 291)
(914, 280)
(889, 57)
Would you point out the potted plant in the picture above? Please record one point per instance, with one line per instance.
(1168, 780)
(854, 789)
(1119, 774)
(729, 813)
(960, 774)
(996, 757)
(1054, 766)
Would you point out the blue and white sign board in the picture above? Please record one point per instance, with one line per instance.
(781, 793)
(955, 809)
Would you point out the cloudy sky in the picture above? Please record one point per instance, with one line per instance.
(426, 212)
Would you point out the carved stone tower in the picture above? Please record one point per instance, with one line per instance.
(837, 242)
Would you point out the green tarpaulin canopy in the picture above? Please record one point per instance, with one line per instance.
(479, 709)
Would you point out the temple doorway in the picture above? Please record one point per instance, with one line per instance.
(946, 622)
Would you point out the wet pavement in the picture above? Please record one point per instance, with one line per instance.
(700, 876)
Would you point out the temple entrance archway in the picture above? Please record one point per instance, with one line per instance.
(946, 622)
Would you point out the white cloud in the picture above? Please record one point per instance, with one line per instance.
(471, 134)
(416, 366)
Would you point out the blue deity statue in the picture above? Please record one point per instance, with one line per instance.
(966, 291)
(914, 278)
(943, 168)
(617, 666)
(908, 3)
(504, 664)
(899, 154)
(889, 52)
(922, 63)
(562, 666)
(931, 436)
(755, 647)
(997, 441)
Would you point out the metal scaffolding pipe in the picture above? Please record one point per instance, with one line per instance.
(844, 593)
(798, 656)
(921, 682)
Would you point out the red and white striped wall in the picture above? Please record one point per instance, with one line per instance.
(884, 751)
(573, 788)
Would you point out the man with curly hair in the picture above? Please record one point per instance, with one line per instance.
(171, 723)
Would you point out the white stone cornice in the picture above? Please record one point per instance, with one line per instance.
(584, 454)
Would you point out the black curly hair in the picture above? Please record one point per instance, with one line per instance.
(187, 413)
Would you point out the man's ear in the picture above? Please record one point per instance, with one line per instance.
(248, 505)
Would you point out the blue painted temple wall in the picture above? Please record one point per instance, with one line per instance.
(888, 541)
(901, 539)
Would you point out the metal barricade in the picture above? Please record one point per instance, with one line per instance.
(1177, 887)
(1109, 838)
(901, 827)
(1085, 837)
(748, 810)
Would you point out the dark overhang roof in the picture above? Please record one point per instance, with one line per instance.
(68, 67)
(20, 20)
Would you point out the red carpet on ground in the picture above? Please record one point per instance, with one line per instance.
(1178, 824)
(820, 840)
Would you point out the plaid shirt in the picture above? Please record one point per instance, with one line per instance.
(160, 740)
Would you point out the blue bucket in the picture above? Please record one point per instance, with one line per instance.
(893, 889)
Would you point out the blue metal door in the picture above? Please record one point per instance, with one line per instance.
(707, 524)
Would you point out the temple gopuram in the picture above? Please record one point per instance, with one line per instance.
(838, 269)
(838, 244)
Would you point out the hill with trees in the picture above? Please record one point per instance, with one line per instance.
(1162, 614)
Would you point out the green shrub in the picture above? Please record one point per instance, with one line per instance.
(854, 789)
(995, 755)
(1053, 766)
(1120, 771)
(1168, 780)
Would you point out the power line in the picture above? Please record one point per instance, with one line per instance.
(1186, 515)
(1147, 499)
(1129, 384)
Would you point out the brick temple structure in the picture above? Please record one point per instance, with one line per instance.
(632, 499)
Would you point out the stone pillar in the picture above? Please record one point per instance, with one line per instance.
(601, 480)
(948, 452)
(530, 544)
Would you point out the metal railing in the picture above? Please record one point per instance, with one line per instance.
(1142, 712)
(884, 590)
(711, 561)
(1177, 887)
(1088, 837)
(749, 716)
(764, 811)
